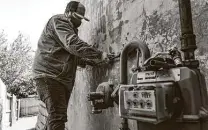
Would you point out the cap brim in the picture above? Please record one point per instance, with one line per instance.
(81, 17)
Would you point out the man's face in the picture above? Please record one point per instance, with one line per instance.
(76, 21)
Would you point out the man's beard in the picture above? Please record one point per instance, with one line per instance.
(76, 25)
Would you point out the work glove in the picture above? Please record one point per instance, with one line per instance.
(112, 56)
(107, 58)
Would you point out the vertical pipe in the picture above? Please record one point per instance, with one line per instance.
(188, 46)
(188, 42)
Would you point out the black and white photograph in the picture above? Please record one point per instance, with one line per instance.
(104, 65)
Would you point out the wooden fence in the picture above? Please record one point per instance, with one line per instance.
(12, 110)
(29, 106)
(9, 107)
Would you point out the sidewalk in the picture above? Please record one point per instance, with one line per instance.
(25, 123)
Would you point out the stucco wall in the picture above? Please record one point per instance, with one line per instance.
(114, 23)
(2, 105)
(1, 113)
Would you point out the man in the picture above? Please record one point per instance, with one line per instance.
(58, 54)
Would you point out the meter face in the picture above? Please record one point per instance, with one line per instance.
(141, 100)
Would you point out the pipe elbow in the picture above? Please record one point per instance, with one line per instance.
(124, 57)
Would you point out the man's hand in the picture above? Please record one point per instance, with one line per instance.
(107, 58)
(112, 56)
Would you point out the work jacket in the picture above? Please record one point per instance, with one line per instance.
(59, 50)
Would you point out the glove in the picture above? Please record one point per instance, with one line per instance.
(111, 56)
(108, 58)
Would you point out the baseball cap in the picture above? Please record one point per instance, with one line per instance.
(77, 9)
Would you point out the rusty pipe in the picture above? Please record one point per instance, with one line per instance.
(124, 58)
(188, 41)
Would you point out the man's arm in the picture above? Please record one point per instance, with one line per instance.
(72, 42)
(81, 63)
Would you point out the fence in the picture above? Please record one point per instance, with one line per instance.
(12, 110)
(9, 107)
(29, 106)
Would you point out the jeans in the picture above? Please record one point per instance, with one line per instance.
(55, 95)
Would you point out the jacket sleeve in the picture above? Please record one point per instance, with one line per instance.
(82, 62)
(72, 42)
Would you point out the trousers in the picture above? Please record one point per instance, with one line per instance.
(56, 96)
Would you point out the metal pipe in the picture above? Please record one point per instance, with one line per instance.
(188, 42)
(160, 64)
(124, 58)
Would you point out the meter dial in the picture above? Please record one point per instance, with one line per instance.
(149, 104)
(129, 103)
(142, 104)
(136, 103)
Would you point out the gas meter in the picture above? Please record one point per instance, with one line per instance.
(165, 93)
(153, 93)
(161, 89)
(152, 98)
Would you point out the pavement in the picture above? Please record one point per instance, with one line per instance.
(25, 123)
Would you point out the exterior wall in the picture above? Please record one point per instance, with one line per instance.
(8, 108)
(1, 108)
(115, 23)
(3, 97)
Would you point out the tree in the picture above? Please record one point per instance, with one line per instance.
(15, 63)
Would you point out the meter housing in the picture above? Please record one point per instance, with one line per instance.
(151, 97)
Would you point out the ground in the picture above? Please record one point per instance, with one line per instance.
(25, 123)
